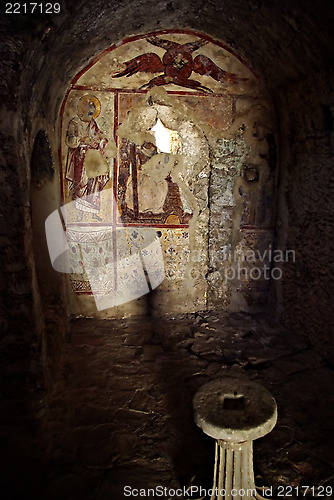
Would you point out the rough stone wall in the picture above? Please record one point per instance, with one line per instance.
(306, 207)
(21, 328)
(24, 333)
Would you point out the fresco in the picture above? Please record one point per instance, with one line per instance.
(177, 64)
(86, 169)
(140, 128)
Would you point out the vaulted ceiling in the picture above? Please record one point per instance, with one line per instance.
(282, 40)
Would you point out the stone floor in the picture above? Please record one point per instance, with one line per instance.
(120, 412)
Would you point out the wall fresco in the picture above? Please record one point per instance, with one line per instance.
(168, 131)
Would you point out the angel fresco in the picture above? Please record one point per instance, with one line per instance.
(177, 64)
(84, 136)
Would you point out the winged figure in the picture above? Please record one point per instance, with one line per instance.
(177, 64)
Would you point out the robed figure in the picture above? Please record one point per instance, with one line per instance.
(86, 143)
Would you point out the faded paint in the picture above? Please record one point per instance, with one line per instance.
(215, 187)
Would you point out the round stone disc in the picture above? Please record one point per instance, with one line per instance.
(234, 410)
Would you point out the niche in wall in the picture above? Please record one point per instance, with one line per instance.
(43, 201)
(170, 131)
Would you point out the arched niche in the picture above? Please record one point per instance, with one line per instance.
(44, 199)
(51, 304)
(207, 193)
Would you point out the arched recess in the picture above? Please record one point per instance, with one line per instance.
(206, 193)
(44, 199)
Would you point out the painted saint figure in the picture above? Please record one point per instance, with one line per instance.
(84, 136)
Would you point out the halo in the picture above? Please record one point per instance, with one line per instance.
(92, 99)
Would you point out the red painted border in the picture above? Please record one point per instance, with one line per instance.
(139, 91)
